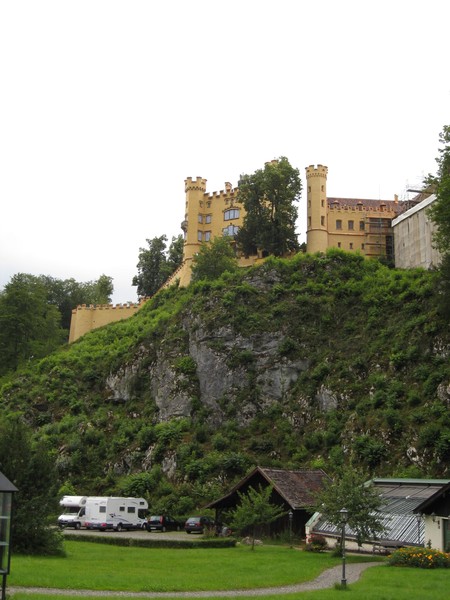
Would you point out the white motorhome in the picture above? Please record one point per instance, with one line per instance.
(74, 511)
(115, 513)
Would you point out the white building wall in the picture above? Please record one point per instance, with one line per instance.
(413, 238)
(434, 532)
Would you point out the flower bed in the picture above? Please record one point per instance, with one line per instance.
(424, 558)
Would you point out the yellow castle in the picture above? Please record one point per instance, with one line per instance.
(347, 223)
(352, 224)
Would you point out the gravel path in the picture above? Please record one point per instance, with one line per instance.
(326, 579)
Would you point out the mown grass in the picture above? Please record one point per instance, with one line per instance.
(98, 567)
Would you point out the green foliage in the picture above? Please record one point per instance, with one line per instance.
(423, 558)
(330, 360)
(156, 264)
(440, 184)
(316, 543)
(29, 326)
(30, 467)
(350, 490)
(213, 260)
(268, 196)
(255, 509)
(186, 365)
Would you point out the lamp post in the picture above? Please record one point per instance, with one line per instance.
(6, 493)
(291, 516)
(344, 517)
(419, 519)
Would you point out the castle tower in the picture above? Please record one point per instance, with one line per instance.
(317, 211)
(195, 193)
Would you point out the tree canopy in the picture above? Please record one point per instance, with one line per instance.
(440, 183)
(213, 259)
(157, 263)
(255, 509)
(269, 196)
(30, 327)
(35, 313)
(31, 468)
(351, 490)
(440, 214)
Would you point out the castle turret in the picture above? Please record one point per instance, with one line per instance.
(317, 226)
(195, 191)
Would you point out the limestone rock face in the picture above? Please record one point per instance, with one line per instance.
(228, 366)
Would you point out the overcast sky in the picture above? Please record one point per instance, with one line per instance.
(107, 106)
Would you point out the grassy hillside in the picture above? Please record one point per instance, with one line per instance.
(313, 361)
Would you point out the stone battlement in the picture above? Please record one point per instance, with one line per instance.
(320, 171)
(106, 306)
(87, 317)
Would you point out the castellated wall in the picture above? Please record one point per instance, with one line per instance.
(88, 317)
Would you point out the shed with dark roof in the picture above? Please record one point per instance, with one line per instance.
(292, 490)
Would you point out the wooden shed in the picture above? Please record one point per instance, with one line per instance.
(293, 490)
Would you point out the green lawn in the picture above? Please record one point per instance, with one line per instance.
(100, 567)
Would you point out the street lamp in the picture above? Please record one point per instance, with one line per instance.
(419, 519)
(6, 492)
(344, 517)
(291, 516)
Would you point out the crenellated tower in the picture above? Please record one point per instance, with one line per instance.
(195, 190)
(317, 214)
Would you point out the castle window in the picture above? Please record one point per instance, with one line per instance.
(208, 204)
(322, 202)
(338, 224)
(351, 245)
(339, 244)
(362, 246)
(207, 236)
(322, 188)
(200, 218)
(361, 226)
(322, 221)
(208, 219)
(309, 222)
(351, 225)
(231, 230)
(309, 189)
(231, 213)
(199, 236)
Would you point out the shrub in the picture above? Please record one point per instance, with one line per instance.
(316, 543)
(423, 558)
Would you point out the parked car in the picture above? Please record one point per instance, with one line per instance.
(162, 523)
(198, 524)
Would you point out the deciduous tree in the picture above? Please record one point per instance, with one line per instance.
(351, 490)
(29, 325)
(255, 509)
(440, 209)
(31, 468)
(440, 214)
(156, 264)
(269, 197)
(213, 259)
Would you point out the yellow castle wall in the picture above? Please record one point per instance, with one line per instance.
(88, 317)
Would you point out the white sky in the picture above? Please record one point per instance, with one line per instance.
(106, 106)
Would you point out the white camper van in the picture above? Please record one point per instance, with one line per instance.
(74, 511)
(115, 513)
